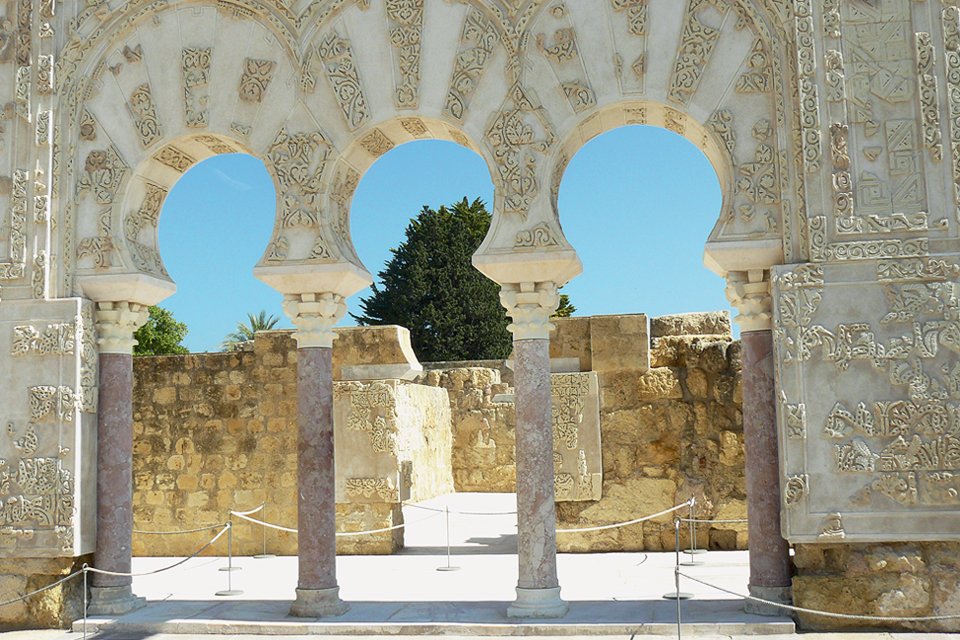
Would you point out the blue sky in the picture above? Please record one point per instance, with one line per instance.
(637, 203)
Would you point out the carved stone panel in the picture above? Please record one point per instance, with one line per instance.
(870, 400)
(578, 469)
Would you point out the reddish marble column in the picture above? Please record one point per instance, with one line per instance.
(112, 595)
(538, 590)
(317, 591)
(769, 552)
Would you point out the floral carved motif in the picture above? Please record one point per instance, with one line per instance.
(477, 42)
(406, 27)
(255, 79)
(195, 66)
(144, 113)
(337, 57)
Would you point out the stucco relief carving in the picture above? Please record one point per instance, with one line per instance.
(337, 57)
(49, 403)
(255, 79)
(406, 26)
(140, 231)
(697, 41)
(478, 40)
(365, 489)
(195, 66)
(14, 268)
(576, 436)
(144, 113)
(372, 411)
(636, 14)
(520, 136)
(951, 37)
(807, 77)
(52, 339)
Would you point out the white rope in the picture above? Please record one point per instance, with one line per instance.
(344, 534)
(698, 521)
(628, 522)
(461, 513)
(173, 533)
(829, 614)
(226, 527)
(247, 513)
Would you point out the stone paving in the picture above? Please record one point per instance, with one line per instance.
(616, 594)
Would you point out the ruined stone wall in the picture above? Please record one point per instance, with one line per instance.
(216, 432)
(670, 423)
(671, 428)
(886, 579)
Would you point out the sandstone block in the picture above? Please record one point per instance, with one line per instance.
(659, 384)
(619, 342)
(691, 324)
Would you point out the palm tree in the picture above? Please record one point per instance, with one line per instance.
(244, 334)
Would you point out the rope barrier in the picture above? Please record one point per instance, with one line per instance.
(461, 513)
(226, 527)
(628, 522)
(86, 569)
(740, 521)
(251, 512)
(174, 533)
(344, 534)
(828, 614)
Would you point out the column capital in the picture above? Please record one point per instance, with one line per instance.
(116, 324)
(530, 305)
(749, 292)
(314, 314)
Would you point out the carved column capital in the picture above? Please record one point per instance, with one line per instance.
(116, 323)
(314, 314)
(530, 305)
(749, 292)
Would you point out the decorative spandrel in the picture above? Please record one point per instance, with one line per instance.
(870, 400)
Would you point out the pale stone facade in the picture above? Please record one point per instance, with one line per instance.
(833, 128)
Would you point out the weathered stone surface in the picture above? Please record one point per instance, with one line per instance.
(890, 579)
(659, 384)
(571, 339)
(619, 342)
(52, 609)
(715, 323)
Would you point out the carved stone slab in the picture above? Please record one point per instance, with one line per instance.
(868, 363)
(578, 468)
(48, 365)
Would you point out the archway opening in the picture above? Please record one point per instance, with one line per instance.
(638, 203)
(213, 228)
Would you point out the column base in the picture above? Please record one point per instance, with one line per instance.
(113, 601)
(537, 603)
(319, 603)
(783, 595)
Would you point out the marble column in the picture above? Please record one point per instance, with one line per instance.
(770, 575)
(318, 594)
(538, 590)
(116, 322)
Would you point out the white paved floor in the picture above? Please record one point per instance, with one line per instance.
(615, 594)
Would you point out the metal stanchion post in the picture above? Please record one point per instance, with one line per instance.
(263, 529)
(230, 566)
(677, 595)
(86, 567)
(446, 511)
(692, 551)
(229, 591)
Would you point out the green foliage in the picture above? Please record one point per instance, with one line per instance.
(244, 333)
(431, 287)
(565, 309)
(161, 335)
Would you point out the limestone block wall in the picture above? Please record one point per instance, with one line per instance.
(217, 432)
(885, 579)
(670, 424)
(671, 428)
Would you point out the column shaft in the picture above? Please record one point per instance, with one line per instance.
(114, 469)
(316, 519)
(769, 552)
(536, 510)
